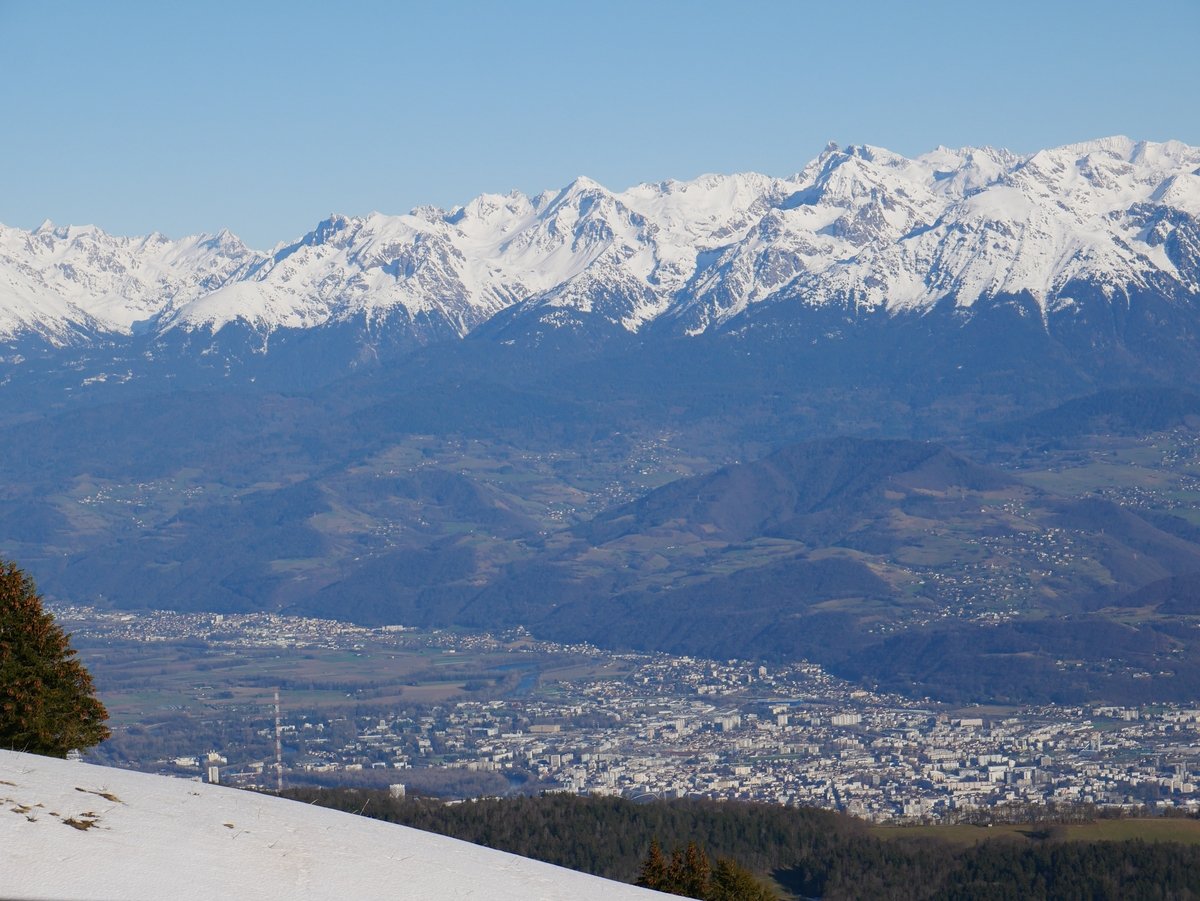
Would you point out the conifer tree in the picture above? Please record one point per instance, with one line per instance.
(653, 873)
(733, 882)
(694, 877)
(675, 873)
(47, 700)
(689, 873)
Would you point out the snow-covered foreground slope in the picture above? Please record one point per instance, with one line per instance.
(71, 830)
(859, 227)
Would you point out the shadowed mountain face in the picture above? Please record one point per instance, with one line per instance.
(897, 562)
(1128, 411)
(800, 491)
(860, 554)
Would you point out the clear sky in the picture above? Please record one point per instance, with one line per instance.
(264, 117)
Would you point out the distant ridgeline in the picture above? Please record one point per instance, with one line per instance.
(959, 268)
(811, 853)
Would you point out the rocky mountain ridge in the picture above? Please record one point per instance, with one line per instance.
(859, 230)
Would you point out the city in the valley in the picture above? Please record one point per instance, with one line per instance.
(193, 695)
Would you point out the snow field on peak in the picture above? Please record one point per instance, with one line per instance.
(860, 222)
(69, 276)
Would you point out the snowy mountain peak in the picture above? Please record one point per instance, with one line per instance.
(491, 212)
(859, 226)
(582, 184)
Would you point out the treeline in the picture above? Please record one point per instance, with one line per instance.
(1003, 870)
(808, 852)
(610, 836)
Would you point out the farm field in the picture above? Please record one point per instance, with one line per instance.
(139, 680)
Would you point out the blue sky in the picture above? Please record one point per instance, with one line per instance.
(265, 117)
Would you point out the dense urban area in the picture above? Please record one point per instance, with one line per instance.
(635, 725)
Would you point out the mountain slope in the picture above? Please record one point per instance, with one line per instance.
(73, 830)
(863, 555)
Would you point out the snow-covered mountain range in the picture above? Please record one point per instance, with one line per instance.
(859, 229)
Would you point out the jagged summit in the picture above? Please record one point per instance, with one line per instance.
(858, 228)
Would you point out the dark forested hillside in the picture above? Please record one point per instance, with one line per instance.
(895, 562)
(811, 853)
(1123, 411)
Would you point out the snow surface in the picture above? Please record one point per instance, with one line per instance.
(157, 837)
(859, 225)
